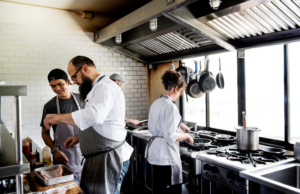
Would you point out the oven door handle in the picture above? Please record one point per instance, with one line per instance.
(184, 172)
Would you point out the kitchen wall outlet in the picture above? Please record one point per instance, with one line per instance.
(168, 2)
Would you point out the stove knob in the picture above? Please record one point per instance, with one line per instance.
(207, 167)
(239, 179)
(214, 169)
(230, 175)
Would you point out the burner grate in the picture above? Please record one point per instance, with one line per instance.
(248, 157)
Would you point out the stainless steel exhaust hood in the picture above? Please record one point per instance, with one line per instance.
(183, 32)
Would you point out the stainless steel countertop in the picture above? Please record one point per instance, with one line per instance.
(256, 175)
(8, 166)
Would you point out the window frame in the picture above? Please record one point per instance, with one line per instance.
(241, 100)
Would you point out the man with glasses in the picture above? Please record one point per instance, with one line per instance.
(63, 102)
(119, 80)
(102, 133)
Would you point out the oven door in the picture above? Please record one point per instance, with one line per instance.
(212, 186)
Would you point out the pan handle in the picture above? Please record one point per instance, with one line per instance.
(196, 66)
(200, 66)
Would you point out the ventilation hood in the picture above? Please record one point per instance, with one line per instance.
(190, 28)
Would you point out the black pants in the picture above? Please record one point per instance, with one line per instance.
(162, 180)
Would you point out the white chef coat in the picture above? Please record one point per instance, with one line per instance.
(105, 112)
(163, 121)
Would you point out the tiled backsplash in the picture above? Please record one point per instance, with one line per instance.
(29, 53)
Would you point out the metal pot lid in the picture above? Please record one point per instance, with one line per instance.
(247, 128)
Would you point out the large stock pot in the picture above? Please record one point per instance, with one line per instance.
(247, 139)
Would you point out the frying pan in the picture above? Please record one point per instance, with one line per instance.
(201, 142)
(192, 88)
(274, 151)
(206, 82)
(220, 78)
(184, 71)
(222, 140)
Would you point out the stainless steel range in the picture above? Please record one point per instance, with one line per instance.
(220, 168)
(190, 165)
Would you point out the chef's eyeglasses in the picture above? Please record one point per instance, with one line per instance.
(73, 77)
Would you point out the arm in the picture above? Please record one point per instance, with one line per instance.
(133, 121)
(59, 156)
(52, 119)
(47, 139)
(185, 136)
(184, 128)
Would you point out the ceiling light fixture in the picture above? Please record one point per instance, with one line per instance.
(118, 39)
(215, 4)
(153, 25)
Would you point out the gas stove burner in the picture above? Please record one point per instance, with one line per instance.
(248, 157)
(205, 132)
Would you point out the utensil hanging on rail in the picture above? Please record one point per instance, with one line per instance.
(220, 78)
(207, 82)
(192, 88)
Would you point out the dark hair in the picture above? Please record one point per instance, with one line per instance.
(171, 79)
(79, 61)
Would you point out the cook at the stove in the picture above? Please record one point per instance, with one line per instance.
(119, 81)
(165, 124)
(63, 102)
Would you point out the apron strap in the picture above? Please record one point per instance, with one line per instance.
(99, 153)
(75, 101)
(57, 105)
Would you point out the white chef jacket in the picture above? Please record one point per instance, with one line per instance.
(105, 112)
(163, 121)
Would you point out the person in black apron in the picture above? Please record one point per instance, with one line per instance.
(164, 123)
(102, 133)
(64, 102)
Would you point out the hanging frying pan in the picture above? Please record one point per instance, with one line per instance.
(184, 71)
(207, 82)
(192, 88)
(220, 78)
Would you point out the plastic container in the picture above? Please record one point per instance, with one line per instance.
(57, 191)
(47, 155)
(26, 150)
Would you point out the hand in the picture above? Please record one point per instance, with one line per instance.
(51, 119)
(190, 140)
(60, 157)
(184, 128)
(71, 141)
(135, 122)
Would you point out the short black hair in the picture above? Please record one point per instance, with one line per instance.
(79, 61)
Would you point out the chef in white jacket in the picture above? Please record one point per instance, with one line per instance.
(164, 123)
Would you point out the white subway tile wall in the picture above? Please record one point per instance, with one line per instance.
(29, 53)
